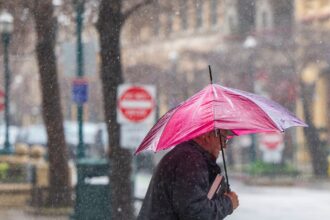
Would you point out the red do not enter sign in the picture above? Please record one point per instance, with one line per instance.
(136, 104)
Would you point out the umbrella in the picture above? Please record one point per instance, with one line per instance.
(218, 107)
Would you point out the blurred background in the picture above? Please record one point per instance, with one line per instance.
(62, 65)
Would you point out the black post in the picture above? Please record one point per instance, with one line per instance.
(80, 73)
(251, 70)
(6, 41)
(224, 161)
(210, 72)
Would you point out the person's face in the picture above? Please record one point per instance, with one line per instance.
(213, 141)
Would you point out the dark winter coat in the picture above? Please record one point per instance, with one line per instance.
(179, 187)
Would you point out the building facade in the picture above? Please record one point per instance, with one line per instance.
(313, 26)
(172, 44)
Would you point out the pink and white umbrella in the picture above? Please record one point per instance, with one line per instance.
(218, 107)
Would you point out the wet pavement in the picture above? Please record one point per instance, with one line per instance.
(19, 214)
(273, 203)
(304, 201)
(300, 202)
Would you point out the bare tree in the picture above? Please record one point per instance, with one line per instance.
(45, 23)
(309, 50)
(110, 23)
(299, 53)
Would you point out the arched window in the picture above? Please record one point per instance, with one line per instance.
(264, 20)
(231, 22)
(199, 14)
(183, 14)
(214, 12)
(264, 16)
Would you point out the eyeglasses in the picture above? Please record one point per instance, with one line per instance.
(224, 138)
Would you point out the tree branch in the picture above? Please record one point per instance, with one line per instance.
(134, 8)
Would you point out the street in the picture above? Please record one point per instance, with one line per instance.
(273, 203)
(304, 202)
(19, 214)
(260, 203)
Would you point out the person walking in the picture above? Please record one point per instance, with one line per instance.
(180, 184)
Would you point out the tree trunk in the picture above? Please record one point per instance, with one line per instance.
(58, 194)
(317, 148)
(109, 27)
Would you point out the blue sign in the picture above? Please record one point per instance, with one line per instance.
(80, 91)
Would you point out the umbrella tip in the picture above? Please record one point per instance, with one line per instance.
(210, 72)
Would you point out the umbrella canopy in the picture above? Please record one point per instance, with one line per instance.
(218, 107)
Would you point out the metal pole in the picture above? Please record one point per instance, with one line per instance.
(210, 72)
(224, 161)
(6, 41)
(253, 150)
(80, 74)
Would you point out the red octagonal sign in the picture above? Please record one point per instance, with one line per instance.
(136, 104)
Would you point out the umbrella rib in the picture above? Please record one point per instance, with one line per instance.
(175, 109)
(259, 107)
(162, 128)
(193, 117)
(213, 101)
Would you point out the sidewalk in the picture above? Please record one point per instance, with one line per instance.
(13, 204)
(19, 214)
(298, 181)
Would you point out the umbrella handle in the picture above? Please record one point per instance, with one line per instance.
(224, 162)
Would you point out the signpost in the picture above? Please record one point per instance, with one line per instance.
(272, 145)
(136, 107)
(136, 104)
(79, 91)
(131, 135)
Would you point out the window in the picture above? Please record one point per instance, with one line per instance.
(199, 13)
(213, 12)
(264, 20)
(169, 25)
(264, 16)
(231, 18)
(156, 25)
(231, 25)
(323, 3)
(156, 22)
(183, 15)
(310, 4)
(246, 12)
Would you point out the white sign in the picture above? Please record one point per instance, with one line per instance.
(131, 135)
(136, 104)
(272, 145)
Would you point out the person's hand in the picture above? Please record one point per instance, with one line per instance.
(234, 199)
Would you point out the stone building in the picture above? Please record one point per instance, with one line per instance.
(248, 44)
(255, 45)
(168, 45)
(234, 37)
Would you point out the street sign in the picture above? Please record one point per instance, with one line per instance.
(80, 90)
(131, 135)
(136, 104)
(272, 145)
(2, 100)
(271, 141)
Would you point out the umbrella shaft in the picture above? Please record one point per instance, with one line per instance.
(224, 162)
